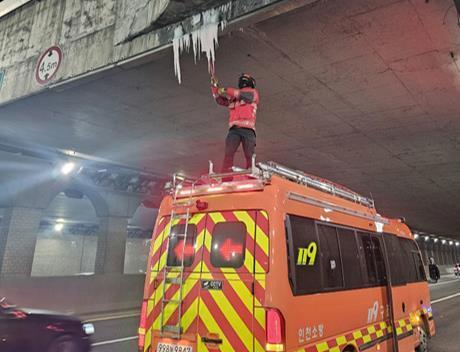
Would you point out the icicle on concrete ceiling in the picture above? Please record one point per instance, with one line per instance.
(204, 39)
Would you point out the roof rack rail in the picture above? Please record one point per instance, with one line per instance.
(264, 171)
(323, 185)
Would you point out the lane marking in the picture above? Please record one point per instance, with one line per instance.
(443, 282)
(112, 317)
(445, 298)
(114, 341)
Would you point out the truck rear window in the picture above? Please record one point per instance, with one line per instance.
(228, 245)
(177, 248)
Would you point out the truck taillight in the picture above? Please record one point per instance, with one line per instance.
(275, 330)
(142, 326)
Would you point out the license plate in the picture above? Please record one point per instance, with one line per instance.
(168, 347)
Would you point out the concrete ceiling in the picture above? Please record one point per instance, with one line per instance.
(177, 10)
(363, 92)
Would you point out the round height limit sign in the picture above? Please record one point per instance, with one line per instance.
(48, 65)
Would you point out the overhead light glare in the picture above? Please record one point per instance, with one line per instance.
(58, 227)
(67, 168)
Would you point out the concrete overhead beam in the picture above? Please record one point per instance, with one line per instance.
(96, 37)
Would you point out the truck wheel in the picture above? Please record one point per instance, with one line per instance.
(423, 347)
(65, 344)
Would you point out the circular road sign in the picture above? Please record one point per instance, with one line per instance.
(48, 65)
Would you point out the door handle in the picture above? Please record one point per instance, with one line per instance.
(210, 340)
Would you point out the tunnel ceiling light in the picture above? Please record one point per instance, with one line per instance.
(443, 241)
(58, 227)
(457, 244)
(436, 240)
(67, 168)
(427, 238)
(451, 243)
(416, 236)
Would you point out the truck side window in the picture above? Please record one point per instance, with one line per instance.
(379, 261)
(228, 245)
(330, 257)
(368, 250)
(396, 260)
(177, 248)
(413, 261)
(304, 255)
(350, 258)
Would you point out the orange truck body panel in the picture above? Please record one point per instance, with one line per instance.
(319, 322)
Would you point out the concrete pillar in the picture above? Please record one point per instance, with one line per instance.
(18, 235)
(111, 244)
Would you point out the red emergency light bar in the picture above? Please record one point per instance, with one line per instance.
(225, 187)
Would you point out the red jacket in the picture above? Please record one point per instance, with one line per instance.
(242, 104)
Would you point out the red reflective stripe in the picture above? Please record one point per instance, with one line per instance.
(262, 223)
(235, 300)
(187, 302)
(221, 320)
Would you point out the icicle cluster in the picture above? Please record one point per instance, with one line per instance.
(203, 40)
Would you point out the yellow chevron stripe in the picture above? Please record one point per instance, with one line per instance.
(259, 314)
(208, 320)
(260, 278)
(170, 308)
(249, 258)
(148, 338)
(258, 236)
(159, 240)
(189, 315)
(233, 318)
(163, 238)
(150, 306)
(220, 299)
(244, 217)
(216, 217)
(265, 242)
(198, 245)
(203, 346)
(243, 293)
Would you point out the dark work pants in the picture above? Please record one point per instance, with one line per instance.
(235, 136)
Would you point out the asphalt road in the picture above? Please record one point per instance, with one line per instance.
(446, 315)
(117, 332)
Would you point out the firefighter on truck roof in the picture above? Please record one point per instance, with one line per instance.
(242, 104)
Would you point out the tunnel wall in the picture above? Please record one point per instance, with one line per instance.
(75, 294)
(443, 254)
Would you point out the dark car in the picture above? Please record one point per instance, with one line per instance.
(27, 330)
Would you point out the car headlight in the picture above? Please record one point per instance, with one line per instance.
(88, 328)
